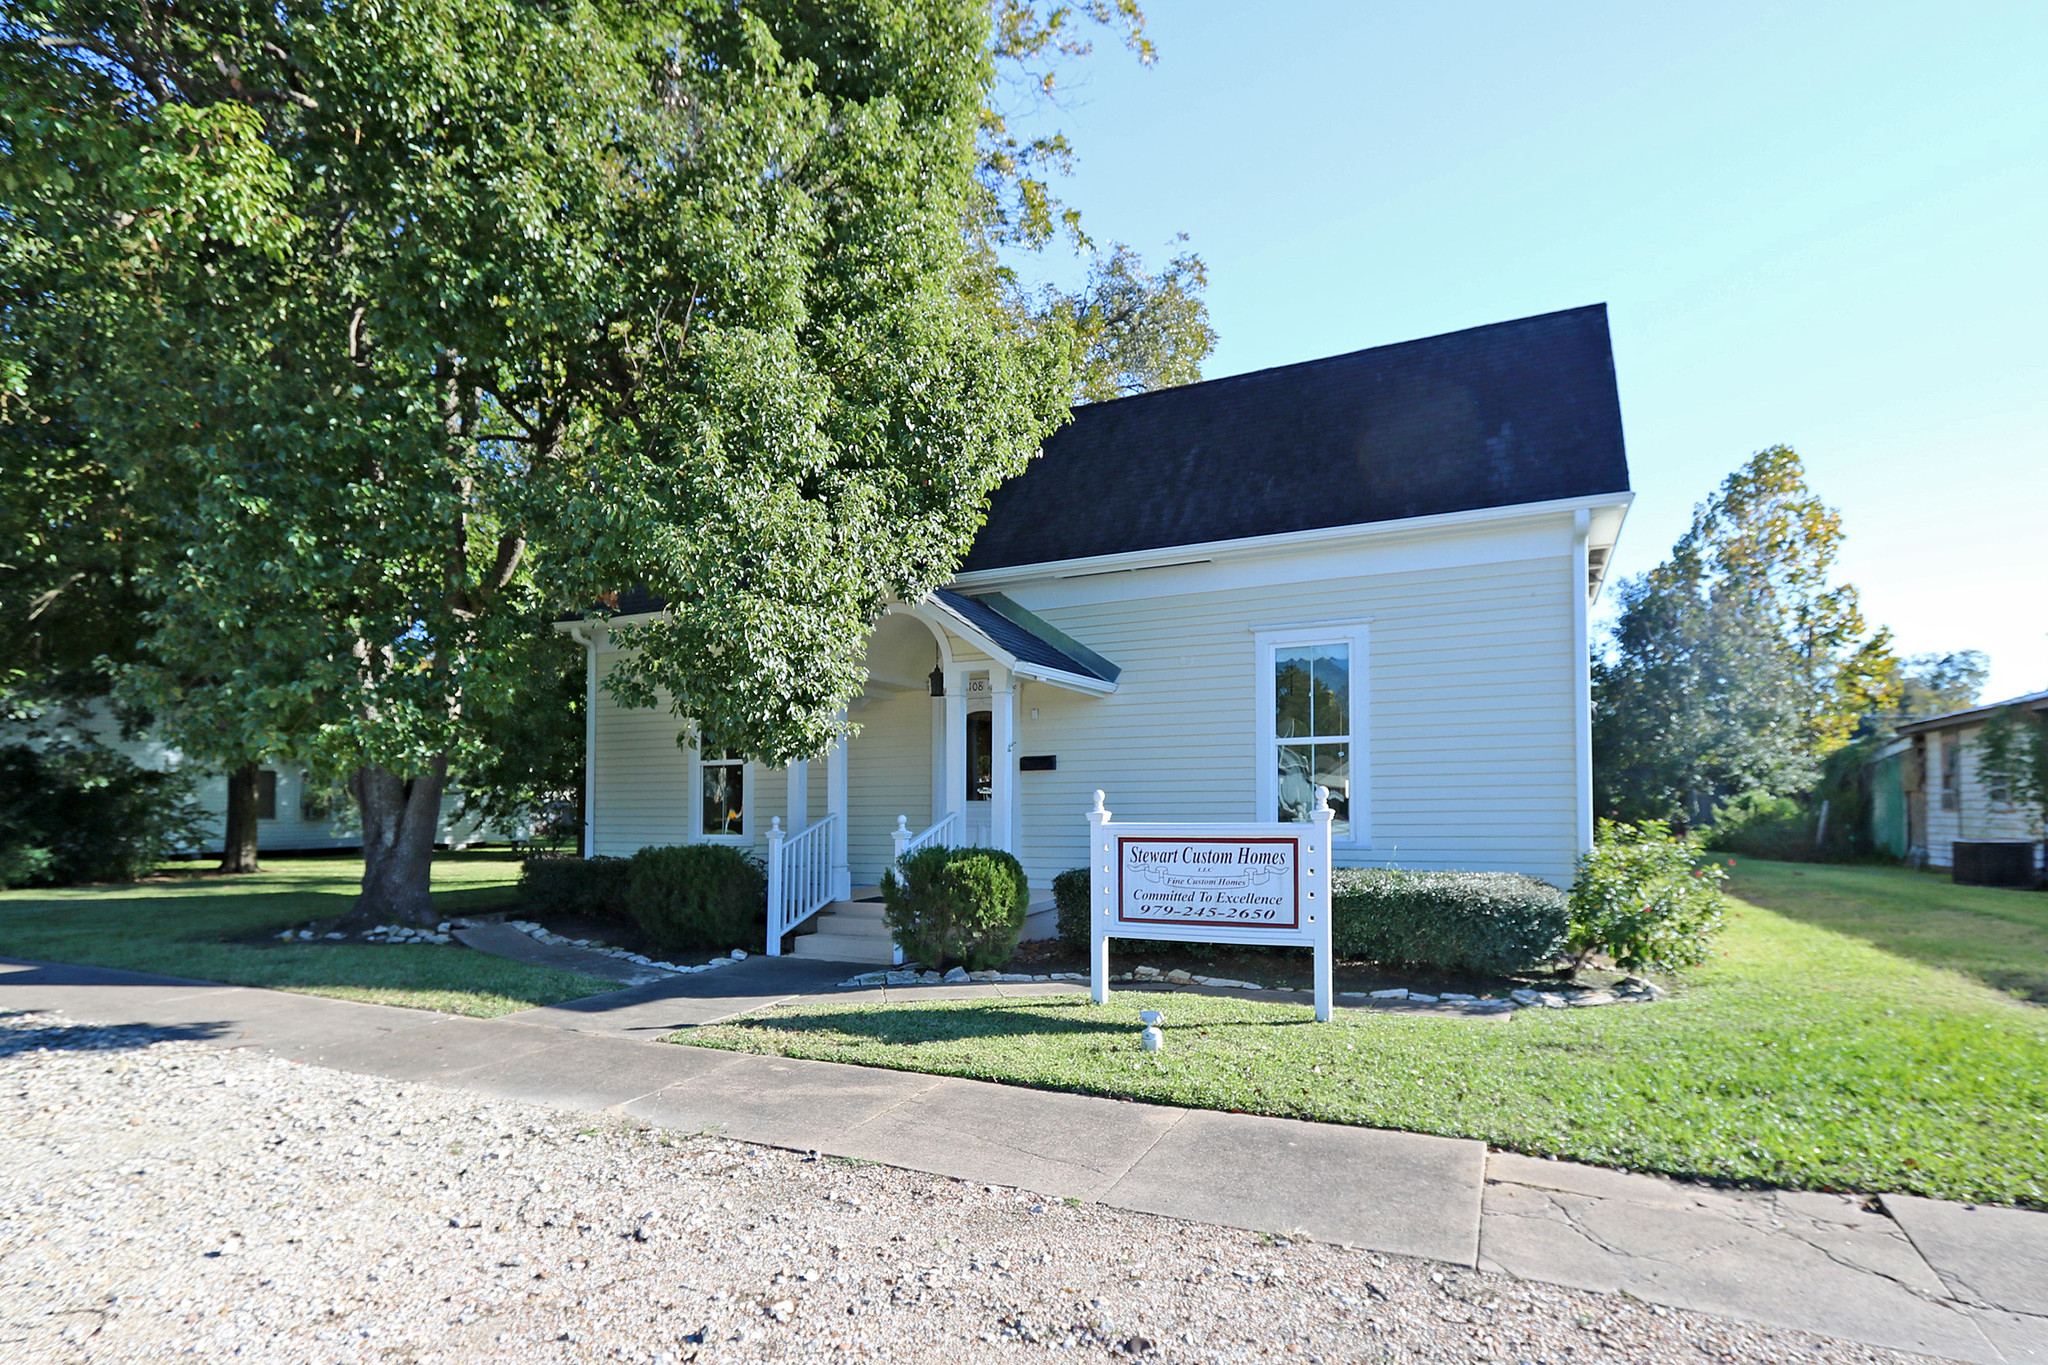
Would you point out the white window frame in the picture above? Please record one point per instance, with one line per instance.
(1267, 642)
(745, 838)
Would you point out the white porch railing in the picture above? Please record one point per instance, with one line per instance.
(945, 832)
(799, 876)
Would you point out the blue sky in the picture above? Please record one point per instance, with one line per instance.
(1817, 224)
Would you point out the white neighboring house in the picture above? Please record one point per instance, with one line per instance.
(1371, 572)
(1949, 799)
(294, 813)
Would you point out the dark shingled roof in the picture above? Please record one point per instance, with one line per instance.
(1515, 412)
(1028, 639)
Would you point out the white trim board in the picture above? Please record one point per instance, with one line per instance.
(1607, 510)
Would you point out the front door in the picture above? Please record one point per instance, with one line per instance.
(980, 777)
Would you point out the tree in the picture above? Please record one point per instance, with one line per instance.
(1135, 331)
(415, 324)
(1936, 684)
(1736, 666)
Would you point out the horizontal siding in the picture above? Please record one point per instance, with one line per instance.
(888, 773)
(1974, 818)
(1470, 693)
(643, 777)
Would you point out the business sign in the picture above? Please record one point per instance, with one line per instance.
(1266, 884)
(1244, 883)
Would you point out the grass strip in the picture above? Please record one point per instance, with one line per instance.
(1802, 1057)
(191, 923)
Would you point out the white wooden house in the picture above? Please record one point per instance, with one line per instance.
(1370, 572)
(1948, 797)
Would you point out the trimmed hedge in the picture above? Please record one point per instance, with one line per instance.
(1070, 895)
(1485, 922)
(551, 884)
(695, 896)
(957, 905)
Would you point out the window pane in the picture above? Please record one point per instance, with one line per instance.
(1303, 768)
(1312, 690)
(724, 795)
(1294, 690)
(1332, 674)
(981, 768)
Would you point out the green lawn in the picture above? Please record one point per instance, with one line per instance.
(1810, 1053)
(1999, 937)
(190, 922)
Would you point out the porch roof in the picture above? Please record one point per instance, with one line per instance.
(1030, 646)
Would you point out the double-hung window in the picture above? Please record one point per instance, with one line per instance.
(721, 794)
(1312, 726)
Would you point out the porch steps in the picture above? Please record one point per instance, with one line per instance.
(847, 931)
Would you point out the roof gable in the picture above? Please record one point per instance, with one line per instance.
(1516, 412)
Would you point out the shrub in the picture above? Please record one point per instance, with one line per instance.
(694, 896)
(1070, 894)
(1487, 922)
(551, 884)
(1646, 898)
(79, 811)
(957, 905)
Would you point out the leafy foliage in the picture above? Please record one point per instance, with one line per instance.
(1737, 665)
(75, 810)
(956, 905)
(695, 896)
(1936, 684)
(1072, 901)
(411, 325)
(1135, 331)
(1647, 898)
(1487, 922)
(551, 884)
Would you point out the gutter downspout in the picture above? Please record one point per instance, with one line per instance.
(1582, 524)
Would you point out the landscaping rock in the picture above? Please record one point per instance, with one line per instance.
(1586, 999)
(1416, 998)
(1180, 977)
(956, 977)
(1397, 993)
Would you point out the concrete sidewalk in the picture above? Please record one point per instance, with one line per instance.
(1917, 1275)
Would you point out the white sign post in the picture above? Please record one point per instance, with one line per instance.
(1251, 884)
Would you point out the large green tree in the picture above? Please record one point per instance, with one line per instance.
(1738, 664)
(414, 322)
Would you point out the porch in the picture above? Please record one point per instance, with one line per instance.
(934, 764)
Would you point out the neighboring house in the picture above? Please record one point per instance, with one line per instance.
(1370, 572)
(294, 812)
(1944, 794)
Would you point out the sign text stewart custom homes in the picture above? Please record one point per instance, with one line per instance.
(1369, 573)
(1260, 884)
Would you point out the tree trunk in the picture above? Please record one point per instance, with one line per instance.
(400, 816)
(238, 844)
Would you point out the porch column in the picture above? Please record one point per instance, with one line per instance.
(835, 804)
(953, 785)
(798, 816)
(1002, 806)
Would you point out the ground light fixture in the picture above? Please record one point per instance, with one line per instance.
(1154, 1037)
